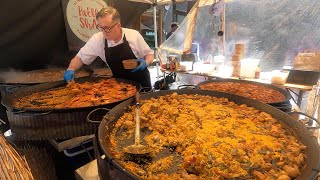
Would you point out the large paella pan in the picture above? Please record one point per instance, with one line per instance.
(266, 93)
(38, 76)
(217, 138)
(50, 111)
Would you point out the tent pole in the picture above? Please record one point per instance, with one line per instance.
(155, 36)
(223, 29)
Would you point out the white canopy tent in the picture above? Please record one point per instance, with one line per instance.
(202, 24)
(158, 2)
(154, 4)
(271, 31)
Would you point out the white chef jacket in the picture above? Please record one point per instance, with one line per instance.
(95, 46)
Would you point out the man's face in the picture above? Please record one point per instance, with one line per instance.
(111, 30)
(174, 28)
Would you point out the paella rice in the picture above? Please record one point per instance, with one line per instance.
(212, 138)
(78, 95)
(253, 91)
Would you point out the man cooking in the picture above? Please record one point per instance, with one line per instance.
(113, 44)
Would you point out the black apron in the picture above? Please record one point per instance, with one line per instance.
(114, 57)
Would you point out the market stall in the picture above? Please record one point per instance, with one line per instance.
(233, 121)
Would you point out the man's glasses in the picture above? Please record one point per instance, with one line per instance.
(105, 29)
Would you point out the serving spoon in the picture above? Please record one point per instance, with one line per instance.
(137, 148)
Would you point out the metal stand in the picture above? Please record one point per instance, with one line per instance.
(70, 143)
(299, 96)
(155, 36)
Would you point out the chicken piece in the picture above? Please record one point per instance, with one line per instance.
(292, 171)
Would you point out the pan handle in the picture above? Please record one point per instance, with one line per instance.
(187, 85)
(146, 90)
(30, 113)
(312, 118)
(93, 111)
(103, 76)
(12, 88)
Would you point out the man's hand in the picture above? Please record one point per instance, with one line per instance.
(69, 75)
(142, 65)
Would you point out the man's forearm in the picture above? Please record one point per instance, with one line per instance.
(75, 63)
(149, 58)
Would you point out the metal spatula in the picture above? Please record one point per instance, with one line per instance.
(137, 148)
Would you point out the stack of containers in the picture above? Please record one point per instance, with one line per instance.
(236, 59)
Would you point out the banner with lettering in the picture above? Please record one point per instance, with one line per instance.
(80, 20)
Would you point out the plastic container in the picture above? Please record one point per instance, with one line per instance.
(225, 71)
(218, 60)
(257, 73)
(248, 67)
(209, 59)
(187, 64)
(81, 154)
(130, 64)
(236, 68)
(239, 46)
(173, 60)
(239, 49)
(236, 57)
(182, 68)
(279, 77)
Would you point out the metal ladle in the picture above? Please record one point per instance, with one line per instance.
(137, 148)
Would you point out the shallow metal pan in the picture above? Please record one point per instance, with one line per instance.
(286, 94)
(55, 123)
(27, 77)
(115, 169)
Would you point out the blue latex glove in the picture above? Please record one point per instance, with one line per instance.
(142, 65)
(69, 75)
